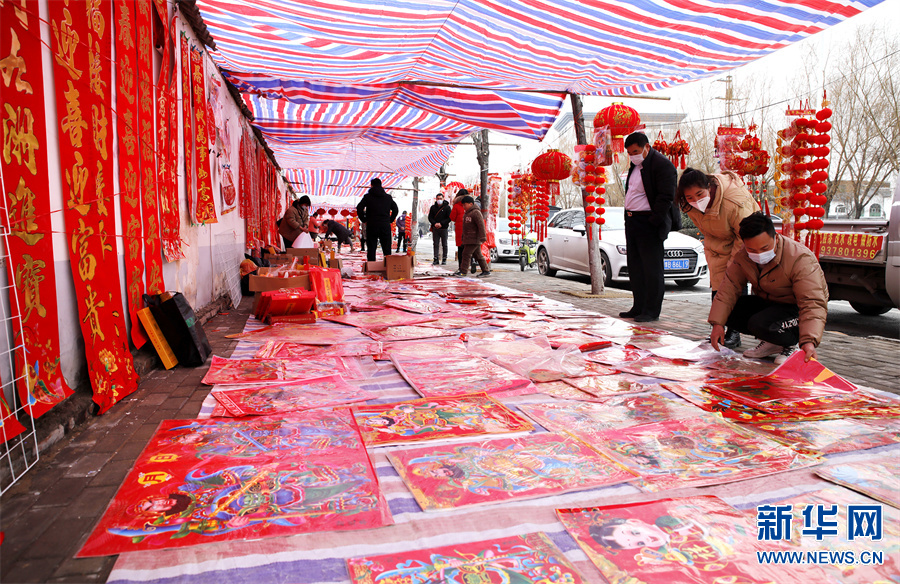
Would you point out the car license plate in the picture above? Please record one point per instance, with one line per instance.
(682, 264)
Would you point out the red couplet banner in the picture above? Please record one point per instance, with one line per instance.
(206, 206)
(187, 123)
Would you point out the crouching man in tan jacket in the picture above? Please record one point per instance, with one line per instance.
(789, 301)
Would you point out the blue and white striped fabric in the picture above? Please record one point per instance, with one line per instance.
(330, 186)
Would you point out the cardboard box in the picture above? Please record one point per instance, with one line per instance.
(263, 283)
(398, 267)
(311, 252)
(336, 263)
(377, 267)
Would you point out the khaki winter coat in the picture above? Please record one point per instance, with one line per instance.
(731, 202)
(793, 277)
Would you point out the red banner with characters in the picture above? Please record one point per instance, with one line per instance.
(206, 207)
(26, 188)
(187, 123)
(129, 163)
(856, 246)
(82, 50)
(152, 252)
(171, 219)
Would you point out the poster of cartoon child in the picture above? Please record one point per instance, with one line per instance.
(432, 418)
(696, 540)
(474, 473)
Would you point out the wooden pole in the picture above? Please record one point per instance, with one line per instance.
(414, 216)
(482, 152)
(595, 260)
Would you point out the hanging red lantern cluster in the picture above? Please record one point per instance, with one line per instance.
(728, 148)
(755, 165)
(591, 176)
(660, 144)
(678, 150)
(621, 120)
(518, 204)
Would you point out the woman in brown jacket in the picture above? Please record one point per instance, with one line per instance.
(295, 220)
(716, 204)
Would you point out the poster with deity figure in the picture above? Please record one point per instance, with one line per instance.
(458, 374)
(204, 481)
(832, 436)
(879, 478)
(308, 394)
(494, 471)
(224, 371)
(695, 540)
(531, 558)
(436, 418)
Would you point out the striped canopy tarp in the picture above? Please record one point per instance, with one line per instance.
(338, 188)
(349, 66)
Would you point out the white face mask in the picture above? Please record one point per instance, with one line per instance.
(637, 159)
(701, 204)
(762, 258)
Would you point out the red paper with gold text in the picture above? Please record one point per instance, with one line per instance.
(187, 123)
(27, 190)
(206, 207)
(129, 163)
(82, 49)
(146, 114)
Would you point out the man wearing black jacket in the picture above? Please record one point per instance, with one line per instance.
(649, 216)
(439, 217)
(377, 211)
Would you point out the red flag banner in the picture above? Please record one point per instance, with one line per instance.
(206, 207)
(129, 163)
(187, 123)
(82, 50)
(152, 253)
(26, 191)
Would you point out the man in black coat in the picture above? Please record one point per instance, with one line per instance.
(377, 211)
(439, 217)
(341, 232)
(649, 216)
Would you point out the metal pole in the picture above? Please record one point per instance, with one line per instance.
(414, 216)
(594, 258)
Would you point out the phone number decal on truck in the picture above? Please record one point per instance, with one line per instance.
(855, 246)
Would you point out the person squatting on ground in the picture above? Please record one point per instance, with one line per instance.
(377, 210)
(401, 231)
(473, 235)
(342, 233)
(649, 217)
(439, 218)
(716, 203)
(789, 300)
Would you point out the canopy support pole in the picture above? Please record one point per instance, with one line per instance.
(482, 152)
(414, 219)
(595, 260)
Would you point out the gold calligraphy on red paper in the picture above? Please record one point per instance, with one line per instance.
(187, 123)
(26, 187)
(129, 162)
(206, 206)
(171, 216)
(146, 113)
(83, 75)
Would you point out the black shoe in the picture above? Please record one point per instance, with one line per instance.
(457, 273)
(444, 263)
(484, 274)
(732, 339)
(645, 318)
(434, 263)
(629, 314)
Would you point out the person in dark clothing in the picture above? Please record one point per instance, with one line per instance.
(342, 233)
(295, 220)
(649, 216)
(473, 235)
(377, 210)
(401, 232)
(439, 218)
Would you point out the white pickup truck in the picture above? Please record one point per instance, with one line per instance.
(861, 261)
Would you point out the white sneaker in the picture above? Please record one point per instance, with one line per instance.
(763, 349)
(786, 352)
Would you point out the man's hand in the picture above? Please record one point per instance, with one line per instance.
(810, 350)
(437, 225)
(717, 336)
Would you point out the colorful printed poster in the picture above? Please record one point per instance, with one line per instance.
(879, 478)
(379, 319)
(436, 418)
(523, 559)
(606, 386)
(494, 471)
(673, 369)
(832, 436)
(247, 371)
(696, 540)
(839, 573)
(10, 427)
(280, 350)
(405, 333)
(308, 394)
(585, 420)
(696, 452)
(204, 481)
(461, 375)
(727, 408)
(305, 334)
(615, 355)
(421, 306)
(418, 350)
(562, 390)
(456, 322)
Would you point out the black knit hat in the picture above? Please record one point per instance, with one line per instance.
(468, 199)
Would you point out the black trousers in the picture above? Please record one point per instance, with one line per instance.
(378, 233)
(401, 238)
(440, 239)
(645, 264)
(769, 321)
(466, 257)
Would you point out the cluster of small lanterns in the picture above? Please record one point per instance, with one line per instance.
(592, 177)
(519, 203)
(677, 150)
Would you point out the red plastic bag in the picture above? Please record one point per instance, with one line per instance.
(327, 284)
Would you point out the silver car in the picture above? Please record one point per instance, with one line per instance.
(565, 248)
(505, 248)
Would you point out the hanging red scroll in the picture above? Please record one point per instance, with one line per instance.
(26, 189)
(171, 218)
(83, 80)
(187, 123)
(129, 163)
(163, 162)
(152, 253)
(206, 207)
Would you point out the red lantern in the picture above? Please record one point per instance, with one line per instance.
(823, 114)
(345, 212)
(621, 119)
(552, 165)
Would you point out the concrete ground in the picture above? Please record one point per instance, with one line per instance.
(48, 514)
